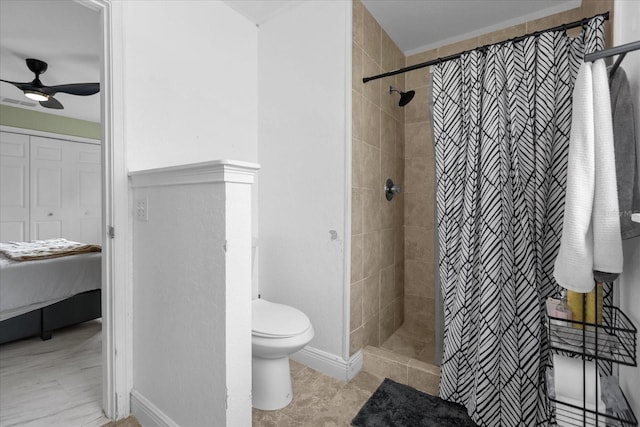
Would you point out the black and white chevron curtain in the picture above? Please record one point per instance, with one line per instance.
(501, 121)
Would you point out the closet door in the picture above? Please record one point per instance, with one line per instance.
(65, 190)
(14, 187)
(49, 201)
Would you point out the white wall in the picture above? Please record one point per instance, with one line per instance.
(626, 30)
(304, 124)
(192, 296)
(190, 83)
(188, 89)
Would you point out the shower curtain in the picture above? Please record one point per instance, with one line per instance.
(501, 120)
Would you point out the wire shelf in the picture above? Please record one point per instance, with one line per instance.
(570, 414)
(614, 340)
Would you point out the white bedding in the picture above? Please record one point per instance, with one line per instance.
(29, 285)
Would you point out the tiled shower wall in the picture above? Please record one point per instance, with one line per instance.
(377, 248)
(413, 240)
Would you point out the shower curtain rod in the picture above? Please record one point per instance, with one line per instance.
(621, 50)
(568, 26)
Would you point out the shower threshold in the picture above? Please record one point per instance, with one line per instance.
(403, 368)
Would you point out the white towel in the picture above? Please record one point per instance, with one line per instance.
(574, 264)
(607, 240)
(591, 227)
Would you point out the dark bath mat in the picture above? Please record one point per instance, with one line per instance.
(398, 405)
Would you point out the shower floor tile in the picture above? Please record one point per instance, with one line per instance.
(405, 343)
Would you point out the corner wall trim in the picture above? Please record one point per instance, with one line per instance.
(147, 413)
(196, 173)
(330, 364)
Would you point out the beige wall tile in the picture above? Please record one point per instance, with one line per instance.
(357, 163)
(356, 306)
(358, 23)
(386, 322)
(372, 211)
(554, 20)
(419, 314)
(458, 47)
(371, 89)
(372, 36)
(387, 100)
(357, 204)
(391, 167)
(392, 56)
(388, 134)
(371, 253)
(419, 279)
(370, 297)
(418, 78)
(389, 209)
(504, 34)
(421, 57)
(387, 247)
(417, 109)
(372, 331)
(372, 168)
(357, 70)
(418, 244)
(387, 287)
(357, 115)
(357, 258)
(398, 313)
(418, 138)
(356, 340)
(371, 122)
(400, 280)
(418, 210)
(417, 175)
(400, 141)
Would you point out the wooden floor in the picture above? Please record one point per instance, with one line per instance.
(53, 383)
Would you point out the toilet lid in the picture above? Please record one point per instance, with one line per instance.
(277, 320)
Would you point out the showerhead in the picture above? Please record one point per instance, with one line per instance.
(405, 97)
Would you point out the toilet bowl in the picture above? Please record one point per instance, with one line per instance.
(277, 330)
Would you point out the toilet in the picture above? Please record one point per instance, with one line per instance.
(277, 330)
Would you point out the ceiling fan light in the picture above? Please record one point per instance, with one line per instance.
(36, 96)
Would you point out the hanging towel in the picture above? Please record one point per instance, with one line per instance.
(573, 266)
(607, 242)
(626, 150)
(591, 226)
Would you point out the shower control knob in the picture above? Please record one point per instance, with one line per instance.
(390, 189)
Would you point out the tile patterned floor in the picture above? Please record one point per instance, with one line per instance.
(53, 383)
(33, 394)
(320, 400)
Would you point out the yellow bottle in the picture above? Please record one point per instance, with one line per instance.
(593, 306)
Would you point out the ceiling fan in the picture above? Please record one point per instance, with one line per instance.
(44, 94)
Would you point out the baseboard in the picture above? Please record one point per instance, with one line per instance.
(330, 364)
(147, 413)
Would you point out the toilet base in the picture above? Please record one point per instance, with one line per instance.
(271, 382)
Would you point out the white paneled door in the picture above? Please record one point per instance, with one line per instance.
(50, 215)
(65, 190)
(50, 188)
(14, 187)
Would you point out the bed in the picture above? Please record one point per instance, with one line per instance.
(40, 295)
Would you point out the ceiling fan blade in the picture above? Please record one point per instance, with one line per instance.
(21, 86)
(82, 89)
(52, 103)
